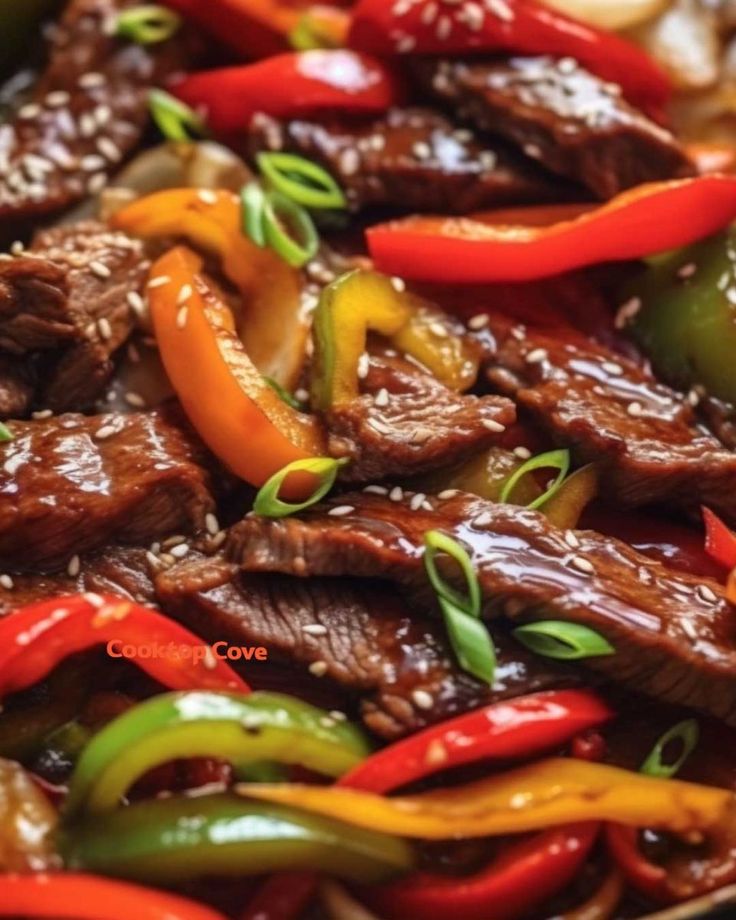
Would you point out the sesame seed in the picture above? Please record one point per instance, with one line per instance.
(583, 565)
(135, 400)
(152, 560)
(417, 501)
(136, 303)
(422, 699)
(74, 566)
(100, 269)
(381, 398)
(396, 494)
(635, 409)
(207, 196)
(6, 582)
(480, 321)
(91, 80)
(211, 523)
(364, 363)
(421, 150)
(523, 453)
(57, 99)
(341, 510)
(376, 490)
(181, 317)
(184, 294)
(610, 367)
(349, 162)
(159, 281)
(493, 425)
(571, 540)
(398, 284)
(687, 271)
(439, 330)
(42, 414)
(17, 248)
(179, 551)
(318, 668)
(109, 149)
(104, 327)
(536, 356)
(105, 432)
(315, 629)
(706, 594)
(483, 519)
(448, 493)
(693, 397)
(102, 114)
(30, 111)
(92, 163)
(97, 183)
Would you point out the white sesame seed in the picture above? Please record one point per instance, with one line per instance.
(341, 510)
(92, 163)
(74, 566)
(417, 501)
(536, 356)
(57, 99)
(135, 400)
(438, 330)
(211, 523)
(448, 493)
(583, 565)
(184, 294)
(314, 629)
(318, 668)
(207, 196)
(523, 453)
(159, 281)
(479, 321)
(91, 80)
(364, 363)
(349, 162)
(396, 494)
(493, 425)
(376, 490)
(706, 594)
(421, 150)
(483, 519)
(105, 432)
(610, 367)
(104, 327)
(42, 414)
(422, 699)
(7, 582)
(97, 183)
(398, 284)
(136, 303)
(17, 248)
(179, 551)
(381, 398)
(100, 269)
(109, 149)
(571, 540)
(635, 409)
(102, 115)
(181, 317)
(30, 111)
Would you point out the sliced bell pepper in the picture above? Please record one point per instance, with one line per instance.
(288, 86)
(364, 301)
(602, 904)
(548, 793)
(387, 28)
(89, 897)
(180, 838)
(274, 328)
(234, 409)
(36, 638)
(27, 823)
(240, 729)
(525, 876)
(566, 506)
(507, 246)
(484, 475)
(720, 540)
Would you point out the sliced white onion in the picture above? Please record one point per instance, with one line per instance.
(611, 14)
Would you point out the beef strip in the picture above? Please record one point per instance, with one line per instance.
(561, 115)
(406, 422)
(17, 385)
(362, 634)
(73, 483)
(66, 301)
(87, 112)
(674, 633)
(413, 159)
(642, 434)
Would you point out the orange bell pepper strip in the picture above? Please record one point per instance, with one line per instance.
(274, 329)
(546, 794)
(522, 244)
(237, 414)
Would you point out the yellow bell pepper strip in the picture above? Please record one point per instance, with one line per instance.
(545, 794)
(225, 726)
(274, 328)
(483, 475)
(566, 506)
(364, 301)
(237, 414)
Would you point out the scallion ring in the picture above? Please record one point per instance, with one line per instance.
(5, 433)
(289, 230)
(284, 395)
(301, 180)
(687, 734)
(437, 542)
(553, 459)
(268, 503)
(471, 642)
(149, 24)
(562, 640)
(252, 199)
(176, 121)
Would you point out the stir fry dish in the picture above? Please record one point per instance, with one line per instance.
(368, 460)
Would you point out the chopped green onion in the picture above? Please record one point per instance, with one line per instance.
(252, 200)
(687, 734)
(5, 433)
(281, 218)
(554, 459)
(301, 180)
(268, 503)
(563, 641)
(470, 641)
(283, 394)
(176, 121)
(435, 541)
(307, 35)
(148, 24)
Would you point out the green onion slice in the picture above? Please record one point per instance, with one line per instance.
(5, 433)
(148, 24)
(283, 217)
(685, 734)
(553, 459)
(563, 641)
(284, 395)
(176, 121)
(268, 503)
(437, 542)
(471, 642)
(301, 180)
(252, 199)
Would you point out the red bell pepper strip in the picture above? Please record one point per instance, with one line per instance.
(526, 875)
(514, 728)
(89, 897)
(289, 85)
(387, 27)
(510, 246)
(720, 540)
(646, 877)
(34, 639)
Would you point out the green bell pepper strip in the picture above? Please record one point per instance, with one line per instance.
(235, 727)
(168, 840)
(686, 320)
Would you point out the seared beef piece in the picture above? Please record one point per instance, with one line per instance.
(73, 483)
(412, 159)
(86, 113)
(561, 115)
(674, 633)
(373, 645)
(609, 410)
(67, 299)
(117, 570)
(406, 422)
(17, 384)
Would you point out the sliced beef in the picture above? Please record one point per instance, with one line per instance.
(609, 410)
(17, 385)
(73, 483)
(412, 159)
(561, 115)
(65, 304)
(360, 635)
(674, 633)
(87, 112)
(406, 422)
